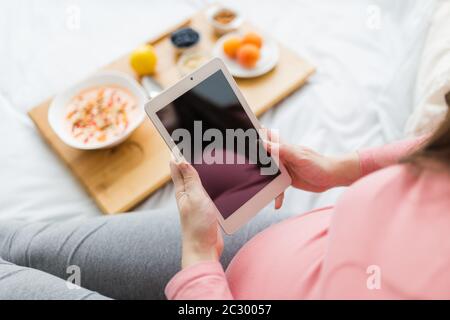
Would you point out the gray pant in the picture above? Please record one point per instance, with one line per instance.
(128, 256)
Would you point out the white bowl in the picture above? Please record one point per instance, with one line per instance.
(270, 55)
(58, 108)
(219, 28)
(184, 70)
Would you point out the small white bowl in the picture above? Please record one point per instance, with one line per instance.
(58, 108)
(202, 57)
(219, 28)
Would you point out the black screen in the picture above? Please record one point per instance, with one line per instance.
(232, 172)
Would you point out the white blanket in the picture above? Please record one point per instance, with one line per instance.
(366, 53)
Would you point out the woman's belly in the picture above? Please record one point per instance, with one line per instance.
(282, 262)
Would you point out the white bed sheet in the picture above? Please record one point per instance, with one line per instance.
(366, 53)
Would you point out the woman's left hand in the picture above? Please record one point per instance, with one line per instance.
(201, 234)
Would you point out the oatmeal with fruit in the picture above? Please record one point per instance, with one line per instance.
(99, 113)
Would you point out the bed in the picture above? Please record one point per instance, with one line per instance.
(366, 53)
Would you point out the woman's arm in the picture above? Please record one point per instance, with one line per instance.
(315, 172)
(202, 275)
(373, 159)
(353, 166)
(203, 280)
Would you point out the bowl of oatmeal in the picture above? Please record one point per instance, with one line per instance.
(99, 112)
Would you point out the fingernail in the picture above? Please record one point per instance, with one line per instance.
(182, 165)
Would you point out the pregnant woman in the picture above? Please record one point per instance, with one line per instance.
(386, 237)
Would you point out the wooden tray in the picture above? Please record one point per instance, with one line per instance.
(121, 177)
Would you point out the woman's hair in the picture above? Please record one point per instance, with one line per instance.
(437, 147)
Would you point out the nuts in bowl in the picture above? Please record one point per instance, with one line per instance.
(98, 112)
(223, 19)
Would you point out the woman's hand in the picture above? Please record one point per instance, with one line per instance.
(201, 235)
(311, 171)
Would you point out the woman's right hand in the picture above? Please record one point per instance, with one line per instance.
(312, 171)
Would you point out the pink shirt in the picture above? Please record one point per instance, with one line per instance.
(387, 237)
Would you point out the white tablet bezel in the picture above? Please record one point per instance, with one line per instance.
(264, 196)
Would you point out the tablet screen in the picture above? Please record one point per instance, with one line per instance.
(214, 133)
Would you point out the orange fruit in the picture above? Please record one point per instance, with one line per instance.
(247, 55)
(231, 45)
(253, 38)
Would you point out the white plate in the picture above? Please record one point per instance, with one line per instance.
(58, 108)
(268, 60)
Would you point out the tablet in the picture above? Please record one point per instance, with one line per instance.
(205, 119)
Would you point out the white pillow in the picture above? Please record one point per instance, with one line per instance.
(433, 79)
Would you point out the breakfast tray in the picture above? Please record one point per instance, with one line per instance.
(121, 177)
